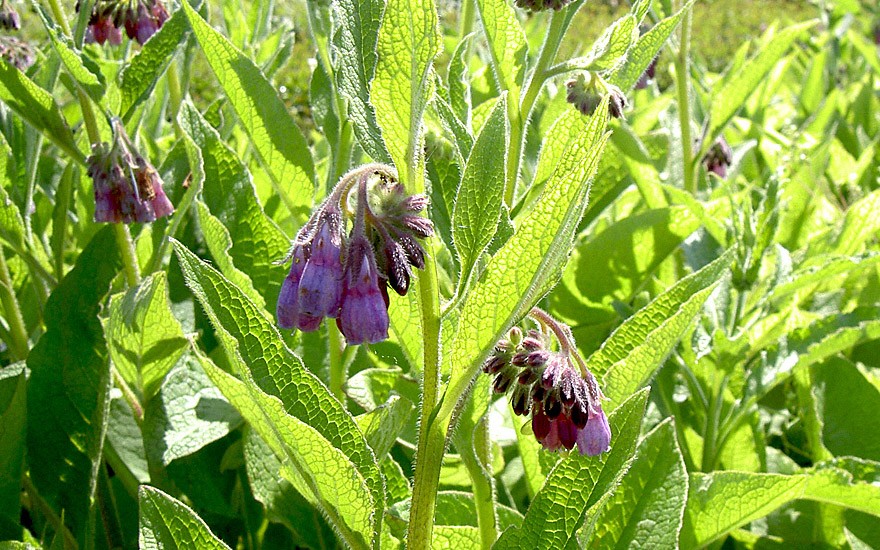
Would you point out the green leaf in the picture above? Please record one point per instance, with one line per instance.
(383, 425)
(850, 482)
(12, 228)
(283, 504)
(83, 70)
(354, 47)
(646, 510)
(229, 193)
(68, 390)
(820, 270)
(848, 405)
(646, 48)
(277, 139)
(457, 508)
(168, 524)
(186, 415)
(736, 87)
(125, 438)
(408, 41)
(370, 388)
(529, 263)
(273, 373)
(481, 193)
(577, 484)
(143, 70)
(144, 337)
(860, 225)
(507, 43)
(310, 462)
(13, 419)
(37, 107)
(629, 357)
(610, 49)
(722, 501)
(457, 81)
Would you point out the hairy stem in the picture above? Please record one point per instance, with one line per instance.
(682, 74)
(129, 258)
(337, 365)
(19, 345)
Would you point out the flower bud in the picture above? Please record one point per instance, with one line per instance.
(17, 52)
(595, 438)
(718, 158)
(320, 290)
(9, 18)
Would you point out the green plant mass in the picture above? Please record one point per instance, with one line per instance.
(470, 274)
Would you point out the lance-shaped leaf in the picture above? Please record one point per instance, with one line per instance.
(639, 346)
(408, 41)
(480, 195)
(229, 193)
(646, 510)
(83, 70)
(68, 390)
(528, 265)
(277, 139)
(37, 107)
(271, 373)
(145, 338)
(577, 484)
(168, 524)
(13, 419)
(143, 70)
(507, 43)
(354, 45)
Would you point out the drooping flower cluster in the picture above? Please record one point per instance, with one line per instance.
(719, 158)
(9, 18)
(346, 277)
(17, 52)
(586, 91)
(140, 19)
(542, 5)
(127, 187)
(555, 386)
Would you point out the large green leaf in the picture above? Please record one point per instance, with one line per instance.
(144, 337)
(354, 45)
(36, 106)
(83, 70)
(13, 419)
(480, 195)
(229, 193)
(528, 265)
(860, 225)
(274, 376)
(850, 482)
(848, 403)
(277, 139)
(408, 41)
(168, 524)
(507, 43)
(577, 485)
(646, 510)
(383, 425)
(143, 70)
(638, 347)
(68, 390)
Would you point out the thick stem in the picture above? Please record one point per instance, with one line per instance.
(468, 15)
(518, 112)
(17, 328)
(477, 459)
(337, 366)
(682, 73)
(710, 432)
(129, 257)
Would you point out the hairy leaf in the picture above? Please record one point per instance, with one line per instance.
(168, 524)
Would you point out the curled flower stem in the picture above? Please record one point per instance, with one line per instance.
(564, 336)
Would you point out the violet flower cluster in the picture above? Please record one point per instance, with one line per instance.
(586, 91)
(345, 277)
(140, 19)
(719, 158)
(558, 390)
(127, 187)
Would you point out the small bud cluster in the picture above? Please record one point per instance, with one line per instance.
(127, 187)
(346, 277)
(17, 53)
(541, 5)
(586, 91)
(9, 19)
(565, 402)
(719, 158)
(140, 19)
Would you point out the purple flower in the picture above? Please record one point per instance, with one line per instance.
(364, 314)
(719, 158)
(320, 289)
(287, 310)
(9, 18)
(595, 438)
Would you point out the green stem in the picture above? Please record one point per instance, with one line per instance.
(713, 418)
(175, 97)
(129, 482)
(468, 15)
(54, 520)
(342, 154)
(337, 366)
(129, 258)
(682, 74)
(108, 510)
(19, 345)
(432, 430)
(518, 112)
(477, 458)
(171, 229)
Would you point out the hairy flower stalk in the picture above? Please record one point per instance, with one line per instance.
(127, 187)
(346, 277)
(555, 386)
